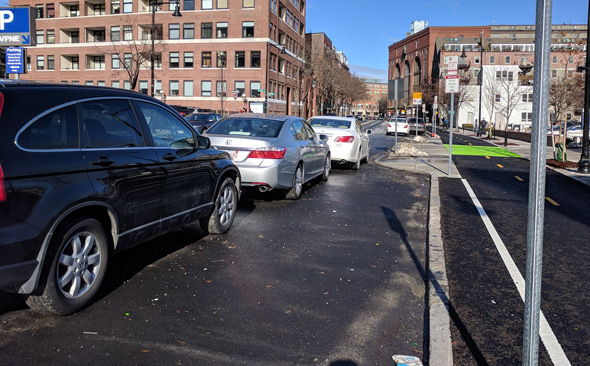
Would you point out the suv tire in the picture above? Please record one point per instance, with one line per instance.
(224, 212)
(77, 268)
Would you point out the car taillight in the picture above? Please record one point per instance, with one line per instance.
(268, 153)
(2, 189)
(389, 125)
(405, 126)
(344, 139)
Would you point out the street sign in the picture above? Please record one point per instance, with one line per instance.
(14, 60)
(270, 93)
(417, 99)
(235, 96)
(417, 95)
(262, 90)
(16, 26)
(452, 84)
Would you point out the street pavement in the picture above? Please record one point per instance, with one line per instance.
(435, 162)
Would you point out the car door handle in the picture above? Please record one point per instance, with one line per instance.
(169, 157)
(102, 161)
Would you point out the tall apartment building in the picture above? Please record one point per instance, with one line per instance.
(375, 89)
(500, 53)
(217, 55)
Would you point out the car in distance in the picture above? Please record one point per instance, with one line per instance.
(348, 143)
(202, 121)
(86, 172)
(403, 127)
(419, 126)
(272, 151)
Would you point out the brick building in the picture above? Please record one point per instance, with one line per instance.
(215, 50)
(505, 54)
(375, 90)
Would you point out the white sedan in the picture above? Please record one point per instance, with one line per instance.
(348, 143)
(403, 127)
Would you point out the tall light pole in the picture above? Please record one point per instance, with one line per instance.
(154, 4)
(584, 163)
(480, 76)
(221, 60)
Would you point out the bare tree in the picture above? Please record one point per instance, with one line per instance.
(490, 96)
(510, 93)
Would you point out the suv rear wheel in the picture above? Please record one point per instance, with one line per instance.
(77, 268)
(226, 204)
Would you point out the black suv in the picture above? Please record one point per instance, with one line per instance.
(88, 171)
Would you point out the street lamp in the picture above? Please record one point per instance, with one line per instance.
(154, 4)
(480, 75)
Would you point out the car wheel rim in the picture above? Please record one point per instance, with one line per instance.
(226, 205)
(79, 264)
(298, 181)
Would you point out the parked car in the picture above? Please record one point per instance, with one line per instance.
(273, 151)
(420, 126)
(183, 110)
(202, 121)
(86, 172)
(403, 127)
(348, 143)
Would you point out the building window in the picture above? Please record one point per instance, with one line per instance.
(221, 30)
(51, 36)
(553, 73)
(248, 3)
(39, 11)
(127, 57)
(504, 75)
(189, 4)
(527, 98)
(206, 59)
(127, 6)
(40, 62)
(50, 10)
(98, 35)
(174, 60)
(97, 62)
(498, 98)
(221, 4)
(188, 31)
(115, 6)
(127, 32)
(221, 59)
(115, 61)
(127, 85)
(116, 84)
(99, 9)
(143, 87)
(188, 88)
(507, 60)
(115, 34)
(174, 88)
(240, 87)
(206, 4)
(206, 30)
(476, 60)
(40, 37)
(50, 62)
(206, 88)
(255, 89)
(75, 63)
(247, 29)
(174, 31)
(255, 59)
(221, 88)
(101, 83)
(571, 60)
(89, 82)
(75, 36)
(240, 59)
(526, 117)
(554, 59)
(188, 60)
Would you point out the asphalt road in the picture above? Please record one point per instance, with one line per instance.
(335, 278)
(487, 311)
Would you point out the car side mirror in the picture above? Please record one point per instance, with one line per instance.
(368, 132)
(203, 142)
(323, 137)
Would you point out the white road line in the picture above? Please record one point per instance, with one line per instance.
(549, 339)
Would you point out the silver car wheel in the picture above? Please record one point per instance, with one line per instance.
(79, 264)
(299, 180)
(226, 205)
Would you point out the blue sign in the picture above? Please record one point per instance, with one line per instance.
(15, 60)
(16, 26)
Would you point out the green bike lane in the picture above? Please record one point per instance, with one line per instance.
(485, 307)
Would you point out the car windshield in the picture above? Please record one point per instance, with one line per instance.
(413, 120)
(256, 127)
(331, 123)
(197, 117)
(401, 120)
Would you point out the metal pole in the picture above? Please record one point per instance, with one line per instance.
(451, 132)
(396, 112)
(154, 3)
(480, 73)
(584, 163)
(536, 202)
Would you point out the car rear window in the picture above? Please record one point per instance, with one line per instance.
(256, 127)
(331, 123)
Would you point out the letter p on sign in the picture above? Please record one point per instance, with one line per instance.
(5, 17)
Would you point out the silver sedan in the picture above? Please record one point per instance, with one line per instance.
(273, 151)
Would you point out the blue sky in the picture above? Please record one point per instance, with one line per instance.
(364, 29)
